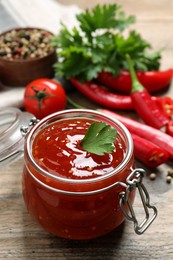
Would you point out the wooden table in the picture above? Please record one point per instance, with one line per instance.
(22, 238)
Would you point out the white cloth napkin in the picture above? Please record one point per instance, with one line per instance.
(12, 97)
(45, 14)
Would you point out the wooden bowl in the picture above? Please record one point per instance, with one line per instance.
(21, 72)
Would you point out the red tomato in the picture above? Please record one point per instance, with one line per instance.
(43, 97)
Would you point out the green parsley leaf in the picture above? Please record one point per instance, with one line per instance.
(99, 138)
(65, 38)
(104, 17)
(98, 44)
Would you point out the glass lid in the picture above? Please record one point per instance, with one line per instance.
(11, 139)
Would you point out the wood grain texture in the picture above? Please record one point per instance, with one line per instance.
(22, 239)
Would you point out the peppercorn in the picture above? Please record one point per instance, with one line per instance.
(152, 176)
(7, 39)
(168, 179)
(3, 53)
(25, 44)
(170, 173)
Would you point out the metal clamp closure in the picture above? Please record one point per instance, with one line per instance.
(134, 181)
(25, 129)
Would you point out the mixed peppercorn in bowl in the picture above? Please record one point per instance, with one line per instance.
(26, 54)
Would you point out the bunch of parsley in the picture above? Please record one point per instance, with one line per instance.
(99, 44)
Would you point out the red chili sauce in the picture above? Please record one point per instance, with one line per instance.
(56, 148)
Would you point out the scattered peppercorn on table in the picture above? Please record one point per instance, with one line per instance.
(22, 238)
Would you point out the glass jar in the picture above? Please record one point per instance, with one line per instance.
(86, 208)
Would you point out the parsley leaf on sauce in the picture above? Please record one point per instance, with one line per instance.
(99, 138)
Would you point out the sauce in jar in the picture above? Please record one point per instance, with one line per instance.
(70, 192)
(57, 150)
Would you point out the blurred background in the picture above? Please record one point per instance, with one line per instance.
(154, 19)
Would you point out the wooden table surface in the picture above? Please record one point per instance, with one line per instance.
(22, 238)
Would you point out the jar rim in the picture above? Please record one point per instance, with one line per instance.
(85, 112)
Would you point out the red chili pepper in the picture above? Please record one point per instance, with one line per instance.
(147, 109)
(156, 136)
(166, 104)
(103, 97)
(169, 128)
(148, 153)
(153, 81)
